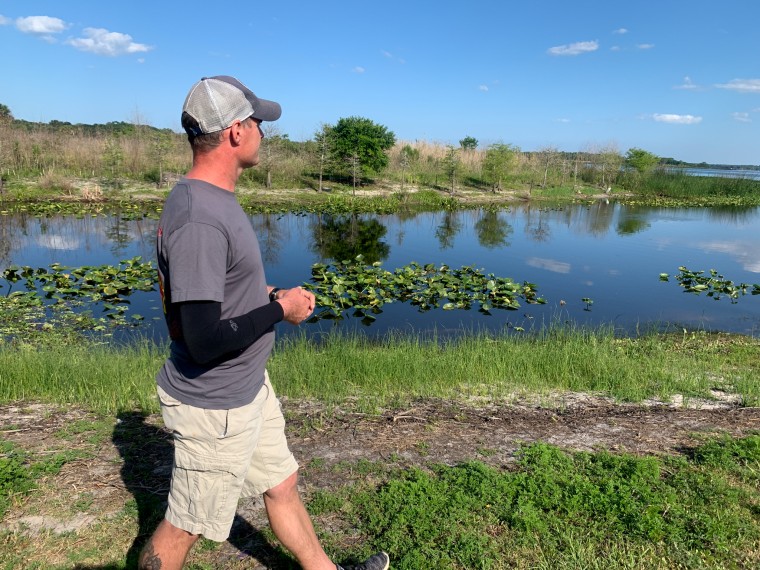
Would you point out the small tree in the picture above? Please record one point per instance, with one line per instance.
(271, 151)
(611, 161)
(641, 160)
(5, 114)
(113, 155)
(5, 119)
(452, 165)
(469, 143)
(407, 158)
(548, 156)
(499, 160)
(160, 146)
(323, 140)
(361, 146)
(355, 169)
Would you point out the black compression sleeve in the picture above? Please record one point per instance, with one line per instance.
(209, 337)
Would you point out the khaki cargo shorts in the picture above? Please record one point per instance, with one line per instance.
(222, 455)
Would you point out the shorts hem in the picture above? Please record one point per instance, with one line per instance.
(282, 474)
(211, 532)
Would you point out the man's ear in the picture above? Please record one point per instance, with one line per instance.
(236, 134)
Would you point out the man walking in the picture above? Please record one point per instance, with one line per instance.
(216, 397)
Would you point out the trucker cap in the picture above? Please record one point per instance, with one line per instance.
(217, 102)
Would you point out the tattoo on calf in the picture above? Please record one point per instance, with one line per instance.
(149, 560)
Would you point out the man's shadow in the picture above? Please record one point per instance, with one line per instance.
(146, 451)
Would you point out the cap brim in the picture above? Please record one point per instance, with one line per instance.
(264, 110)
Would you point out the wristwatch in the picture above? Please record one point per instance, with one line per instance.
(273, 294)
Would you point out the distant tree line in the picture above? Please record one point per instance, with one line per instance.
(353, 152)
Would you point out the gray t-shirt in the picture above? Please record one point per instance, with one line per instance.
(207, 251)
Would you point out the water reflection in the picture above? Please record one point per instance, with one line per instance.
(631, 223)
(602, 214)
(345, 237)
(271, 235)
(448, 229)
(493, 230)
(609, 252)
(537, 224)
(8, 235)
(732, 214)
(119, 235)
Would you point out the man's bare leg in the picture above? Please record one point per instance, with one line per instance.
(292, 526)
(167, 548)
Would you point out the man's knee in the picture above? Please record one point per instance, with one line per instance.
(167, 548)
(284, 490)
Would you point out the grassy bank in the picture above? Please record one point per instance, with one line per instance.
(694, 190)
(550, 509)
(400, 368)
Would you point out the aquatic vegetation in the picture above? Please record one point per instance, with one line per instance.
(366, 288)
(64, 296)
(125, 209)
(713, 284)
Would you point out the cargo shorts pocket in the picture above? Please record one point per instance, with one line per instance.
(206, 493)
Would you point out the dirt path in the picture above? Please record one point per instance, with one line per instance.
(449, 433)
(129, 457)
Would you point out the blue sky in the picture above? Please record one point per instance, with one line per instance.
(679, 78)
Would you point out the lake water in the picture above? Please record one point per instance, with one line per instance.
(607, 252)
(719, 172)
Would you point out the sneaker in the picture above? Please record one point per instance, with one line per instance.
(379, 561)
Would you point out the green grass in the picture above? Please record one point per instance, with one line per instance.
(399, 368)
(563, 510)
(19, 471)
(551, 509)
(694, 190)
(94, 375)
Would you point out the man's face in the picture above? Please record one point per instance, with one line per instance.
(253, 135)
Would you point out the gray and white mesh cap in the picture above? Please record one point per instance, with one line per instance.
(217, 102)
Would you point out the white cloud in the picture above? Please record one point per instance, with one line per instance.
(4, 21)
(620, 31)
(645, 46)
(742, 117)
(41, 25)
(574, 49)
(103, 42)
(389, 55)
(358, 69)
(482, 87)
(677, 119)
(742, 85)
(687, 84)
(563, 120)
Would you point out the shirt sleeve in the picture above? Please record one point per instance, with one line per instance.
(198, 263)
(209, 337)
